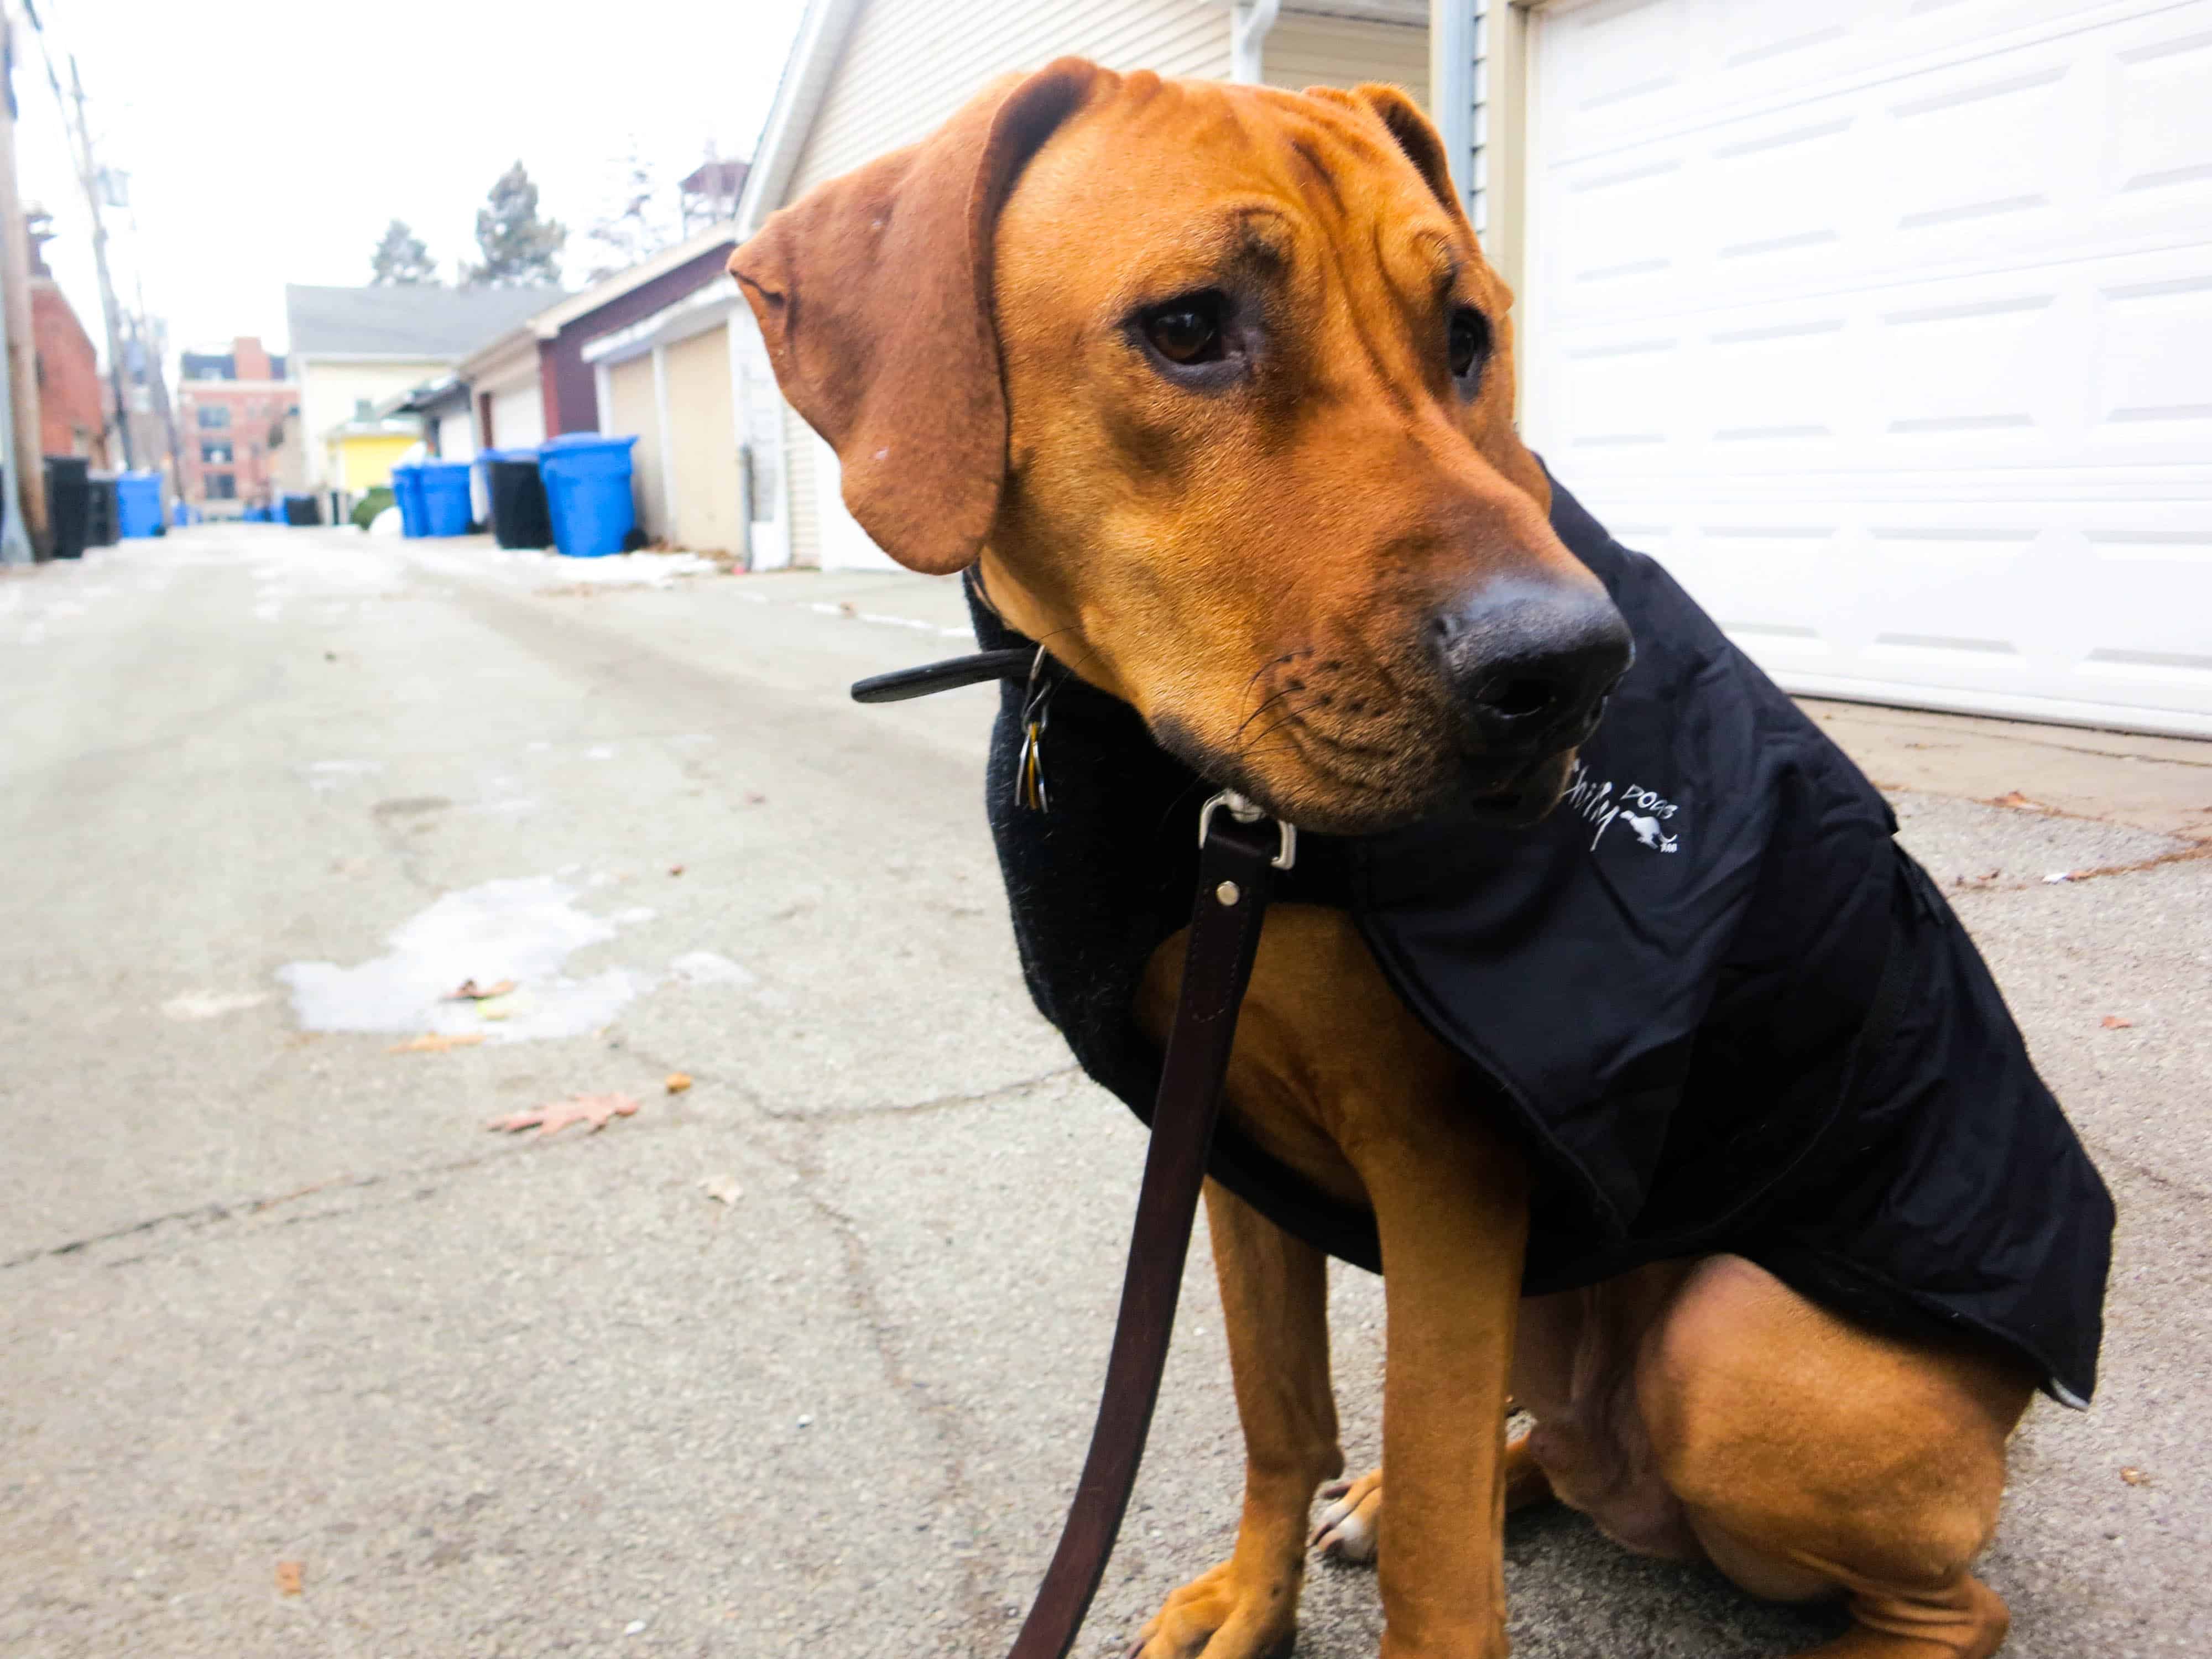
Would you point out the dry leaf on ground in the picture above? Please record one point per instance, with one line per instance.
(723, 1189)
(470, 991)
(2135, 1477)
(436, 1042)
(2014, 798)
(291, 1578)
(2115, 1023)
(677, 1082)
(556, 1115)
(675, 869)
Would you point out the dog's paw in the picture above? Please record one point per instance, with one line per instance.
(1222, 1617)
(1349, 1522)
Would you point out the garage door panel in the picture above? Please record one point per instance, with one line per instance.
(2155, 366)
(1890, 325)
(2161, 119)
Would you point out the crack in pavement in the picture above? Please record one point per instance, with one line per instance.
(2189, 854)
(200, 1217)
(982, 1611)
(918, 1108)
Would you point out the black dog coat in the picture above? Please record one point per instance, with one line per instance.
(1722, 1009)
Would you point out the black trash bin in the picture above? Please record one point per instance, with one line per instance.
(103, 523)
(69, 503)
(302, 510)
(519, 515)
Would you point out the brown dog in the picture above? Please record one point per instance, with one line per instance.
(1214, 383)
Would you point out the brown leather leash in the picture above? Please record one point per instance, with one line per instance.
(1240, 850)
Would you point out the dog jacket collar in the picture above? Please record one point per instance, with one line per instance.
(1724, 1009)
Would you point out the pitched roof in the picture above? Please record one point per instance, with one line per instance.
(404, 321)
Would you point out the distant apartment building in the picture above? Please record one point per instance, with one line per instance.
(231, 412)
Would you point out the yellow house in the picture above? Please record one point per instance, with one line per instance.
(355, 348)
(359, 454)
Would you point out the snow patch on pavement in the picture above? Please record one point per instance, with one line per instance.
(212, 1005)
(524, 929)
(708, 968)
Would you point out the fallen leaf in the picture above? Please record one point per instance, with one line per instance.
(2013, 797)
(2114, 1022)
(291, 1578)
(675, 869)
(470, 991)
(723, 1189)
(677, 1082)
(754, 798)
(849, 608)
(550, 1119)
(436, 1042)
(2135, 1477)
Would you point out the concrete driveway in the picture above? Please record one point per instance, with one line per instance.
(801, 1360)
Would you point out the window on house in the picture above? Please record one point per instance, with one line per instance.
(212, 454)
(214, 417)
(221, 487)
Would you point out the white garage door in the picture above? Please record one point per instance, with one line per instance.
(517, 417)
(1887, 324)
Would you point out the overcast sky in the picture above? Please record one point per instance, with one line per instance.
(270, 140)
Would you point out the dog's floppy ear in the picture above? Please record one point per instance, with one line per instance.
(874, 294)
(1417, 136)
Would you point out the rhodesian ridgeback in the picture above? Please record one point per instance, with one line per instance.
(1212, 385)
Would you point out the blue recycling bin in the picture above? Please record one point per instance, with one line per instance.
(588, 489)
(407, 489)
(138, 505)
(442, 487)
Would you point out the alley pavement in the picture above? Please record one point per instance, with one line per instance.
(298, 1357)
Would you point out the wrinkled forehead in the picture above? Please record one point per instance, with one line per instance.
(1162, 176)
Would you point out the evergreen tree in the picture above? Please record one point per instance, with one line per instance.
(401, 259)
(637, 223)
(520, 249)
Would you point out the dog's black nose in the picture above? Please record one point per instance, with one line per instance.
(1528, 663)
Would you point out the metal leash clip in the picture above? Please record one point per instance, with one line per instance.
(1036, 716)
(1287, 848)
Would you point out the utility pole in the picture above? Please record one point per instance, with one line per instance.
(87, 178)
(87, 172)
(25, 465)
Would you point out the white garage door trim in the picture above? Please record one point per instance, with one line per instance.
(1877, 320)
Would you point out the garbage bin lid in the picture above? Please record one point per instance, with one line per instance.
(530, 455)
(576, 440)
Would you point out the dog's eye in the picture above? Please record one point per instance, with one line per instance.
(1470, 341)
(1188, 329)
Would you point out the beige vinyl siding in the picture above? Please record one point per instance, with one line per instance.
(799, 497)
(703, 446)
(906, 64)
(635, 411)
(1341, 51)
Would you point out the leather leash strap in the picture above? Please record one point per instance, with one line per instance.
(1236, 868)
(1240, 849)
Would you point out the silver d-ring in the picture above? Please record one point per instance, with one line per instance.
(1286, 849)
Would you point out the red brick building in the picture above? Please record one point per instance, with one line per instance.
(73, 407)
(231, 407)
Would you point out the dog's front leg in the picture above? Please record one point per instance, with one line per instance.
(1451, 1203)
(1274, 1298)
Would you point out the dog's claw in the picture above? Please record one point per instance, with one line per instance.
(1346, 1530)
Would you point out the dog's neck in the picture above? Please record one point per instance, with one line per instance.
(1056, 627)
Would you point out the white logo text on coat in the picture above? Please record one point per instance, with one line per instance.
(1645, 812)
